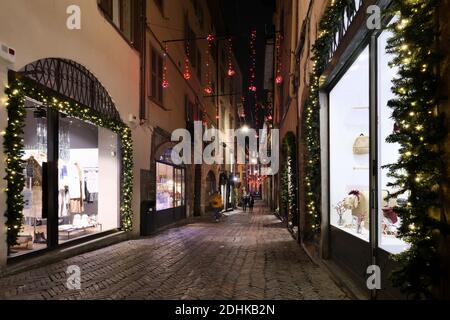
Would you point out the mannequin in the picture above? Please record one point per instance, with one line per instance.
(63, 192)
(76, 189)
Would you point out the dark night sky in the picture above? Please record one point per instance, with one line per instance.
(241, 16)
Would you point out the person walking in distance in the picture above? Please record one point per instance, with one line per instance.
(251, 203)
(244, 202)
(216, 204)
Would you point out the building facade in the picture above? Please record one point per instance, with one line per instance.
(355, 210)
(76, 71)
(188, 80)
(90, 97)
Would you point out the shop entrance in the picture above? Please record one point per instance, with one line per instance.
(71, 166)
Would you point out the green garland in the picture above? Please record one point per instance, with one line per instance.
(311, 119)
(14, 145)
(420, 168)
(289, 180)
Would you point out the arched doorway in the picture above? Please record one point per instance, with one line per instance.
(74, 168)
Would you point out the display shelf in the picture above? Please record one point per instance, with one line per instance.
(360, 108)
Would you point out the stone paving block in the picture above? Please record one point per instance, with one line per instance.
(242, 257)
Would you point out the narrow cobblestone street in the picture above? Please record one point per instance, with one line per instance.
(245, 256)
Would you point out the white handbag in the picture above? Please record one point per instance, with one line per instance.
(361, 145)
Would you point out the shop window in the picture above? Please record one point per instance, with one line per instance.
(170, 190)
(89, 179)
(34, 233)
(388, 220)
(349, 149)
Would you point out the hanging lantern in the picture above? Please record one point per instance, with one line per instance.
(252, 88)
(165, 84)
(231, 72)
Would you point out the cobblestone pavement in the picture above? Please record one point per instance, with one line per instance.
(245, 256)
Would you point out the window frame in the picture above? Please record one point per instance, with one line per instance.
(155, 90)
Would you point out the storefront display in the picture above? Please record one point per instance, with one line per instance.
(170, 190)
(34, 233)
(87, 172)
(350, 152)
(349, 149)
(69, 158)
(87, 163)
(388, 153)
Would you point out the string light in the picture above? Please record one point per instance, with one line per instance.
(252, 66)
(231, 72)
(165, 82)
(187, 68)
(208, 89)
(278, 77)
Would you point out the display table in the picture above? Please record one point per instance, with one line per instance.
(69, 228)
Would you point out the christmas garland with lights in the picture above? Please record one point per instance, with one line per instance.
(13, 144)
(328, 27)
(420, 170)
(289, 180)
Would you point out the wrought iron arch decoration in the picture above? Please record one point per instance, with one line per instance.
(74, 81)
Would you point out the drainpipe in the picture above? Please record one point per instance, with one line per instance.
(143, 60)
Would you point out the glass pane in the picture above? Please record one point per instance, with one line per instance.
(349, 149)
(88, 190)
(34, 233)
(388, 153)
(178, 188)
(164, 186)
(126, 18)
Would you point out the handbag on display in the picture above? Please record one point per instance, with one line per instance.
(361, 145)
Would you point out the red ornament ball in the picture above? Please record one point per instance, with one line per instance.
(208, 90)
(279, 79)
